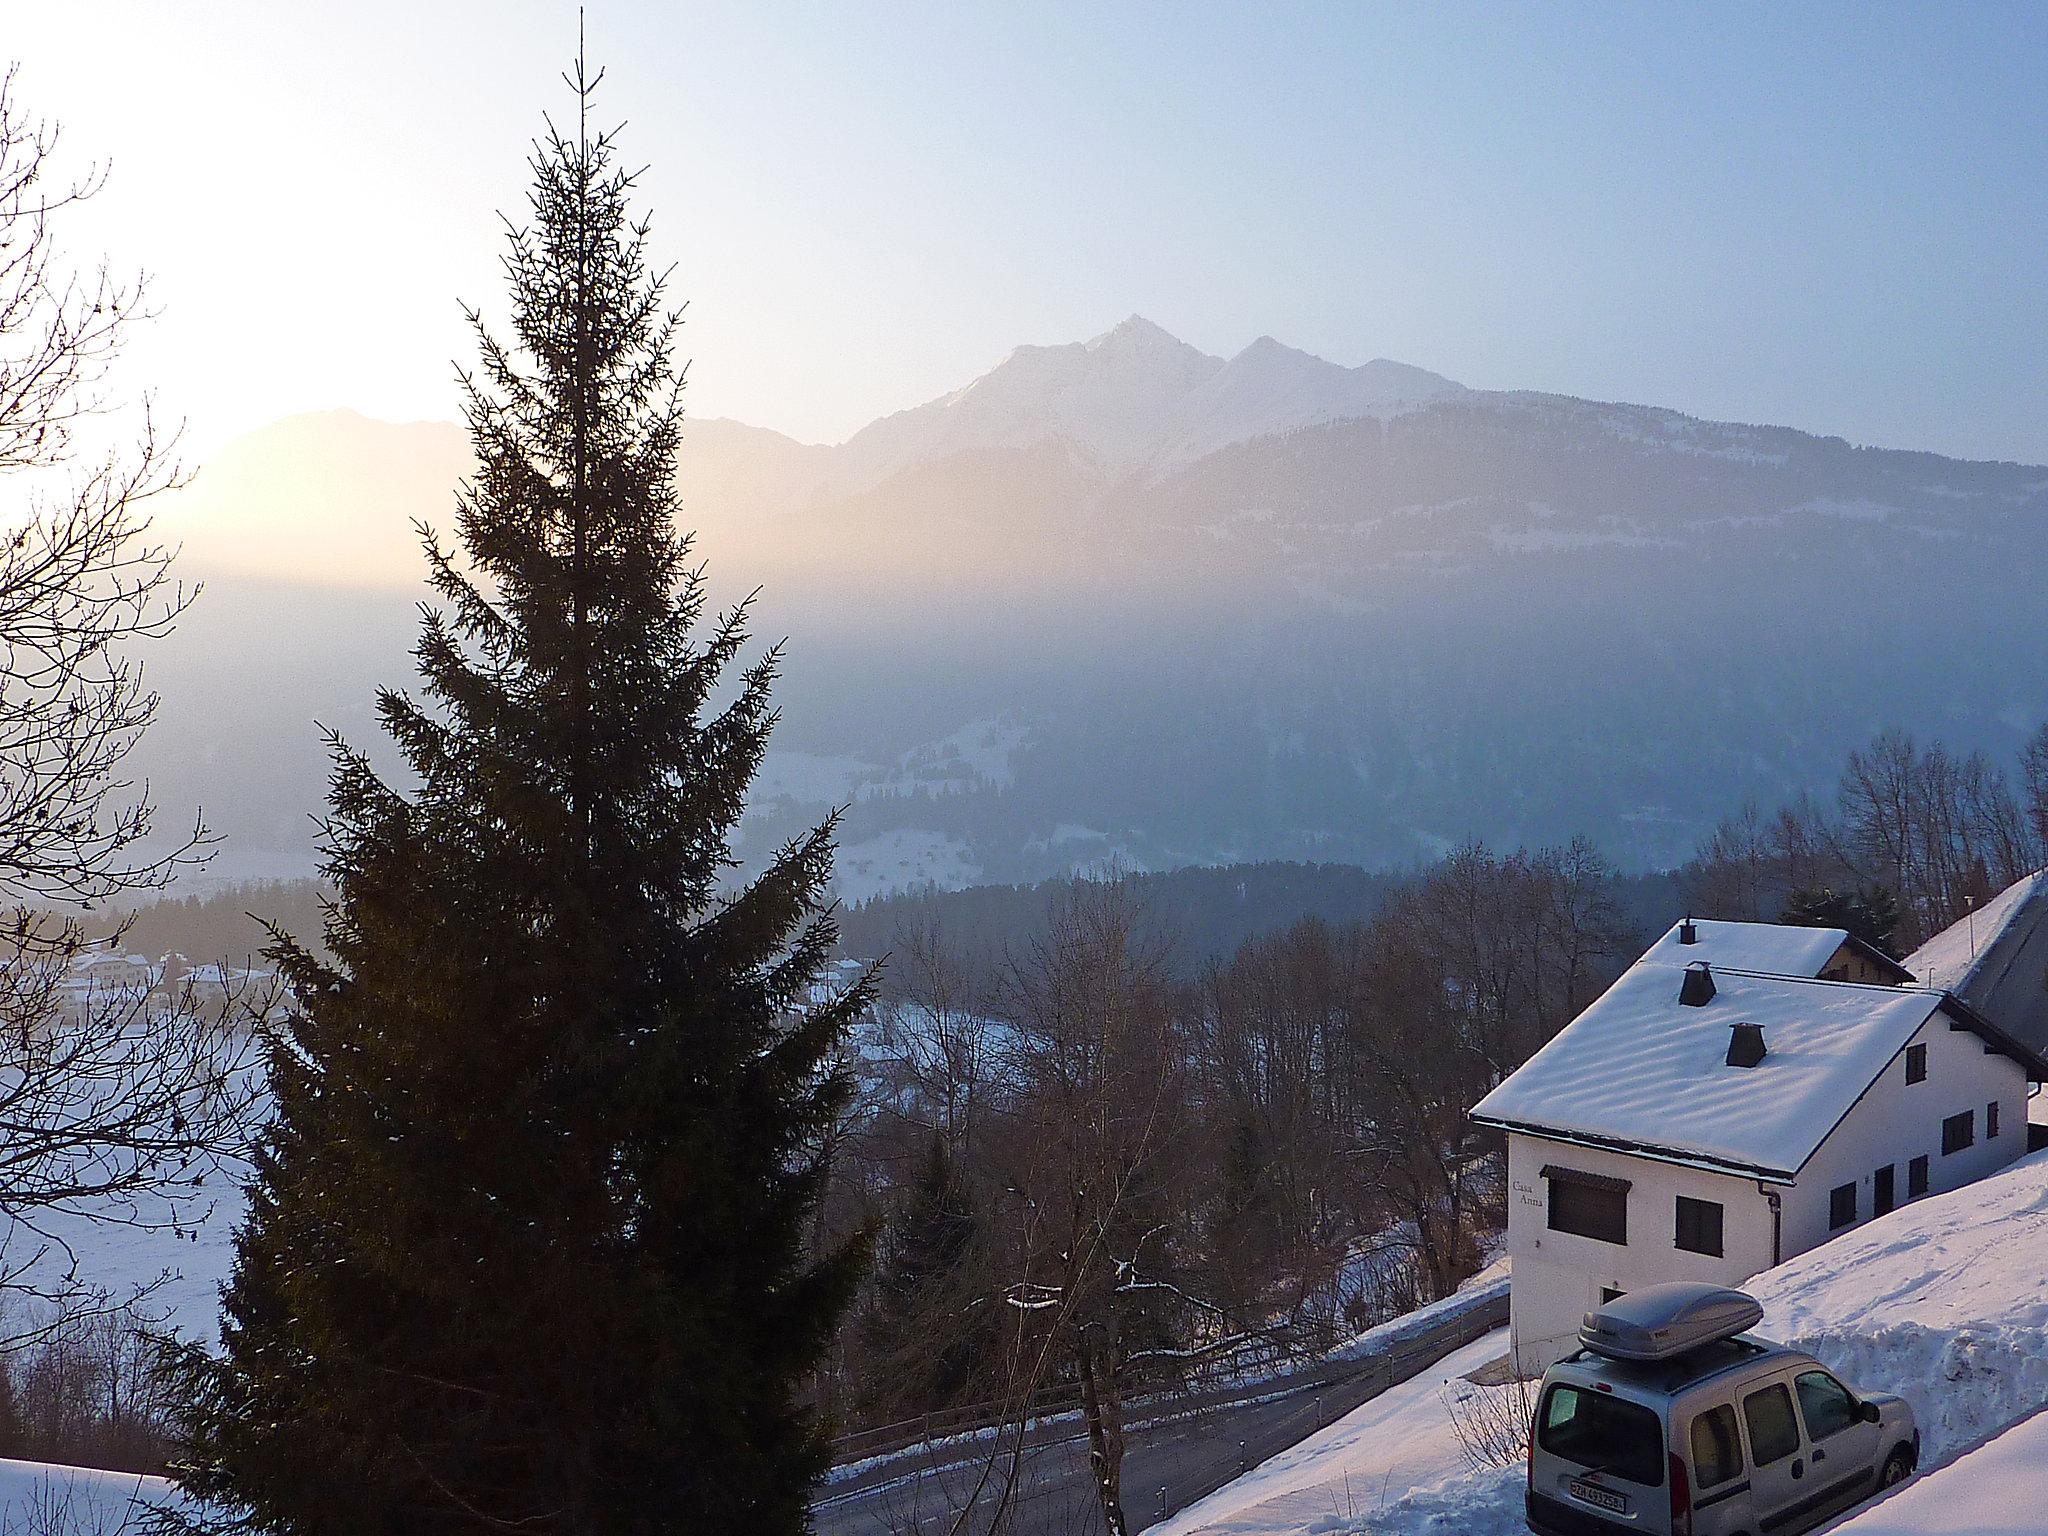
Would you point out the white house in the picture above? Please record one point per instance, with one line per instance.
(1743, 1093)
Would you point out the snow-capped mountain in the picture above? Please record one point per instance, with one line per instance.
(1269, 388)
(1181, 609)
(1132, 396)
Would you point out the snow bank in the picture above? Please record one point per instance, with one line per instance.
(42, 1499)
(1482, 1290)
(1996, 1490)
(1944, 1302)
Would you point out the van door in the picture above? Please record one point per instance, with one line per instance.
(1841, 1447)
(1778, 1480)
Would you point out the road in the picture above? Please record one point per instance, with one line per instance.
(1168, 1463)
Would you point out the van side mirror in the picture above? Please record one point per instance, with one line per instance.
(1867, 1412)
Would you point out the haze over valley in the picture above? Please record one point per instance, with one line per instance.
(1124, 600)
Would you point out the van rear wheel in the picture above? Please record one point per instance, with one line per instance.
(1897, 1468)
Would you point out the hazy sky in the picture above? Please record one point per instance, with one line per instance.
(1828, 216)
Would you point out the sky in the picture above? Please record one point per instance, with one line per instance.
(1822, 216)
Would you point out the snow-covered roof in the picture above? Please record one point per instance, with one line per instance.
(1642, 1071)
(1776, 949)
(1996, 960)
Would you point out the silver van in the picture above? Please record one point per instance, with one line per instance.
(1672, 1419)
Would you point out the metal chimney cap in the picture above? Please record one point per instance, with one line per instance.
(1745, 1044)
(1697, 988)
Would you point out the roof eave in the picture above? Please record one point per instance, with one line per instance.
(2035, 1065)
(1676, 1156)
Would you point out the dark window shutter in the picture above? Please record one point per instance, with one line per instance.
(1588, 1209)
(1958, 1132)
(1699, 1226)
(1841, 1205)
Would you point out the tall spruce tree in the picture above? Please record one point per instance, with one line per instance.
(526, 1248)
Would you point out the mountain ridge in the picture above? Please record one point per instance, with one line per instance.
(1337, 622)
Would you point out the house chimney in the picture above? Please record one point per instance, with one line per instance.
(1745, 1045)
(1688, 932)
(1697, 989)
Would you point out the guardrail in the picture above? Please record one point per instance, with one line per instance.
(1375, 1370)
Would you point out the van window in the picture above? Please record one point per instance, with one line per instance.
(1773, 1434)
(1826, 1403)
(1598, 1429)
(1716, 1453)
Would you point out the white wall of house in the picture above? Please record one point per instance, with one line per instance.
(1896, 1121)
(1558, 1276)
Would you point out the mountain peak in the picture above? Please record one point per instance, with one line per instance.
(1137, 394)
(1136, 332)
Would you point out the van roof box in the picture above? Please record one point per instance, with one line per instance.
(1660, 1321)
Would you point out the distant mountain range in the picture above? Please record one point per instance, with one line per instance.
(1123, 599)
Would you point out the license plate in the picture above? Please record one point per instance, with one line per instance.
(1599, 1498)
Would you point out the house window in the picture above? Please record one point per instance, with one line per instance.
(1958, 1132)
(1588, 1204)
(1916, 1063)
(1991, 1121)
(1916, 1177)
(1699, 1226)
(1841, 1206)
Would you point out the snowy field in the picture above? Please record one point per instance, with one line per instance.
(176, 1272)
(39, 1500)
(1944, 1302)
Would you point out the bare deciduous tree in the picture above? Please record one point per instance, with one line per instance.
(111, 1090)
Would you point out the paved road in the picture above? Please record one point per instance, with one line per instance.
(1167, 1465)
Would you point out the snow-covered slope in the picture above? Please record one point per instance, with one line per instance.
(1113, 397)
(1133, 395)
(1996, 1490)
(1945, 1302)
(1270, 388)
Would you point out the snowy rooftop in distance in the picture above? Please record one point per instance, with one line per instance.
(1996, 960)
(1641, 1069)
(1777, 949)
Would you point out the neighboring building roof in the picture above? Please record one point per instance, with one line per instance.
(1996, 961)
(1639, 1071)
(1776, 949)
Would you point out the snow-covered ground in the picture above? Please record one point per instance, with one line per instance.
(1399, 1440)
(176, 1271)
(1340, 1476)
(1995, 1490)
(37, 1499)
(1945, 1302)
